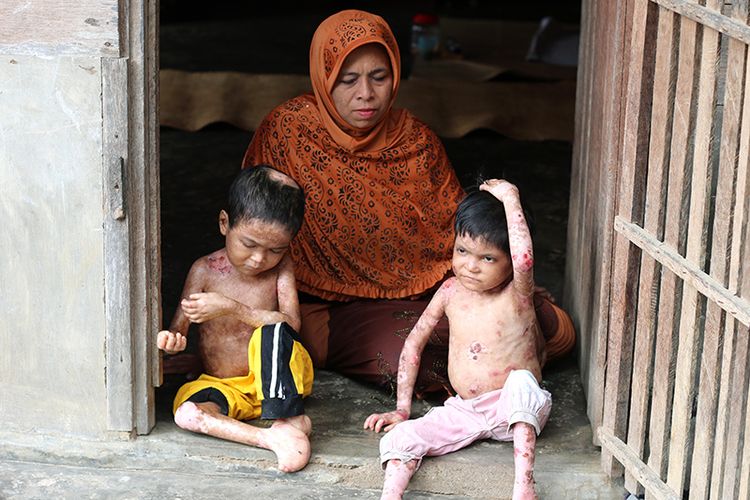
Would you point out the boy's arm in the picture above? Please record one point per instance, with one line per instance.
(174, 340)
(202, 307)
(286, 289)
(408, 364)
(519, 237)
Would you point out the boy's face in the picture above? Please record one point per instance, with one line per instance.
(254, 246)
(479, 265)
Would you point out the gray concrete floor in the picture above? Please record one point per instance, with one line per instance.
(171, 463)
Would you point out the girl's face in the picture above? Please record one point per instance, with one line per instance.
(478, 265)
(363, 89)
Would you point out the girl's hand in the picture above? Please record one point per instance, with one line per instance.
(499, 188)
(385, 421)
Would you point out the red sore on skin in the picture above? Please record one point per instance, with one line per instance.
(476, 347)
(219, 264)
(523, 260)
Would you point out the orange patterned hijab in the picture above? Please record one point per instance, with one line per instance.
(380, 202)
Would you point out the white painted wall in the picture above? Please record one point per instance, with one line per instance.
(52, 328)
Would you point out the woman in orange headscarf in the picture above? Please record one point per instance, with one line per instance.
(381, 195)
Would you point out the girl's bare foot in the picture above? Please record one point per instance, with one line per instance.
(524, 490)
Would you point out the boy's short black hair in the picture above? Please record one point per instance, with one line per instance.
(481, 215)
(258, 193)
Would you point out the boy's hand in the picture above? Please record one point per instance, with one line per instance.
(377, 421)
(499, 188)
(171, 342)
(201, 307)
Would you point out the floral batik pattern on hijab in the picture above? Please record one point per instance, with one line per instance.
(380, 202)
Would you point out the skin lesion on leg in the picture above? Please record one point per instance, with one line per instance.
(524, 449)
(397, 476)
(287, 438)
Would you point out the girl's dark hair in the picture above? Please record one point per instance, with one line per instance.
(481, 215)
(256, 193)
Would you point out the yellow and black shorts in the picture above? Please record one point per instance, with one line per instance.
(280, 375)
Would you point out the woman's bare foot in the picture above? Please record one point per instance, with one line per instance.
(289, 441)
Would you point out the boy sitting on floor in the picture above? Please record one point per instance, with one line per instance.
(244, 298)
(496, 350)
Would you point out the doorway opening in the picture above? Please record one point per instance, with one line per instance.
(198, 166)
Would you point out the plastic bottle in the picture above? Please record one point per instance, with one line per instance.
(425, 36)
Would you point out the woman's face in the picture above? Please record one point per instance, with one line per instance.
(364, 86)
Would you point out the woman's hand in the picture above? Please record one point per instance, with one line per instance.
(202, 307)
(385, 421)
(171, 342)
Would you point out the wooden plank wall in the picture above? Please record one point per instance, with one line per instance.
(602, 74)
(676, 411)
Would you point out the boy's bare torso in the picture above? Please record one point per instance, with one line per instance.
(491, 334)
(224, 339)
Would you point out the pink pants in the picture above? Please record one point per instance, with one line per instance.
(460, 422)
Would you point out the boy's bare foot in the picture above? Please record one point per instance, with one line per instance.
(301, 422)
(289, 442)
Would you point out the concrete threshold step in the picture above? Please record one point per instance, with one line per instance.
(171, 463)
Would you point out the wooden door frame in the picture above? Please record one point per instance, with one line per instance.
(132, 264)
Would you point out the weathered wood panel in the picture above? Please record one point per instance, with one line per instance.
(632, 175)
(709, 444)
(698, 218)
(654, 217)
(739, 276)
(671, 287)
(601, 78)
(39, 27)
(692, 321)
(119, 350)
(143, 198)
